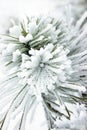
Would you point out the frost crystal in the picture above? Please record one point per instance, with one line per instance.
(45, 68)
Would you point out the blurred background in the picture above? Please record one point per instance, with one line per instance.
(17, 8)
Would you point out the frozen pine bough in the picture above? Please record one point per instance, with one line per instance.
(45, 61)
